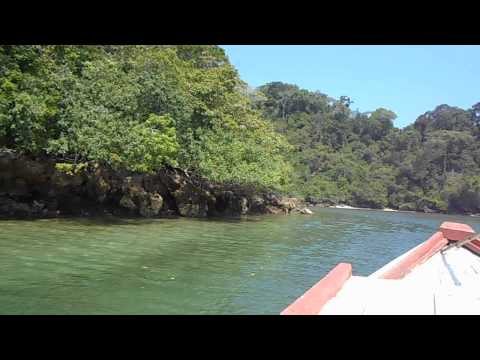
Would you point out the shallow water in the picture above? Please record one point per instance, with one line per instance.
(257, 265)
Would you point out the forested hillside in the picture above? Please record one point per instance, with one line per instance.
(144, 108)
(362, 159)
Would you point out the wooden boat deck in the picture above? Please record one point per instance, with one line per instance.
(446, 284)
(423, 281)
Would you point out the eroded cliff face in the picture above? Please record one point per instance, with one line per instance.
(36, 188)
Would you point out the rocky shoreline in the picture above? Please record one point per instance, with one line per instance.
(39, 188)
(422, 209)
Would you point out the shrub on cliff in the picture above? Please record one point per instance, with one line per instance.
(137, 108)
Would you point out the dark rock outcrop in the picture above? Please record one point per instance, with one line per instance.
(36, 188)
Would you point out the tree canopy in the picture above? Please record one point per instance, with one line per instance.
(140, 108)
(362, 159)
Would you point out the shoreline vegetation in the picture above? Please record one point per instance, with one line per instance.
(157, 131)
(393, 210)
(341, 206)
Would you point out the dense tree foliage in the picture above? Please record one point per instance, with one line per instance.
(363, 160)
(138, 108)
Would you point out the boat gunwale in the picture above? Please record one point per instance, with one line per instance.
(313, 300)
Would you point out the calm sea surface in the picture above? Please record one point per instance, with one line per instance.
(257, 265)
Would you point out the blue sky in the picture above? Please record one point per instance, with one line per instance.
(408, 80)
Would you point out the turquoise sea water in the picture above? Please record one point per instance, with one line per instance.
(256, 265)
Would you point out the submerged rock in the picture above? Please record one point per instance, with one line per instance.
(306, 211)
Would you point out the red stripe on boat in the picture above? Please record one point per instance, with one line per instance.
(455, 231)
(474, 246)
(416, 257)
(458, 232)
(319, 294)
